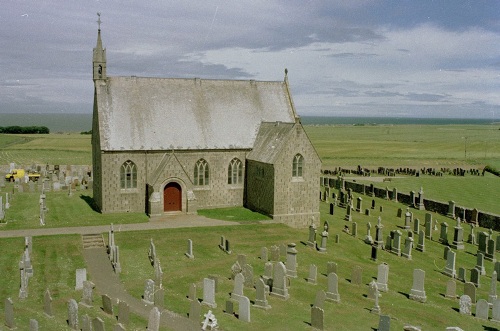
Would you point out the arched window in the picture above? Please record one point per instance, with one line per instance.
(298, 162)
(235, 172)
(201, 174)
(128, 175)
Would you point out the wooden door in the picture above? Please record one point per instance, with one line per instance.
(172, 197)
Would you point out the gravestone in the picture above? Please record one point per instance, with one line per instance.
(497, 269)
(354, 230)
(237, 293)
(331, 267)
(451, 209)
(98, 324)
(359, 204)
(275, 253)
(124, 312)
(470, 291)
(86, 323)
(421, 241)
(244, 309)
(279, 288)
(475, 277)
(490, 250)
(209, 292)
(264, 254)
(449, 269)
(9, 313)
(348, 215)
(291, 261)
(376, 307)
(451, 289)
(379, 236)
(482, 309)
(373, 204)
(482, 242)
(443, 237)
(374, 253)
(229, 307)
(317, 318)
(192, 292)
(189, 251)
(311, 242)
(383, 277)
(320, 299)
(33, 325)
(399, 213)
(465, 305)
(47, 304)
(368, 238)
(88, 288)
(472, 236)
(395, 194)
(384, 323)
(332, 293)
(260, 295)
(332, 208)
(81, 276)
(492, 294)
(154, 319)
(396, 243)
(195, 311)
(416, 226)
(480, 263)
(107, 304)
(408, 219)
(372, 290)
(149, 292)
(461, 274)
(268, 273)
(247, 272)
(73, 314)
(417, 292)
(458, 236)
(495, 311)
(420, 203)
(313, 274)
(408, 248)
(357, 275)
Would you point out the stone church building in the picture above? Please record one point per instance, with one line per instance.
(168, 145)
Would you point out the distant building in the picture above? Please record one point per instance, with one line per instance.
(166, 145)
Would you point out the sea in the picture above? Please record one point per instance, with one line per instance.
(77, 122)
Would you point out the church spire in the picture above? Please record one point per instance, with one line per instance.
(99, 57)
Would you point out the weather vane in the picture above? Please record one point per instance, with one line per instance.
(99, 20)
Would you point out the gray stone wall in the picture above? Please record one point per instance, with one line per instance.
(259, 195)
(96, 160)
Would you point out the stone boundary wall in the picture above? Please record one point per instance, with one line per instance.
(484, 219)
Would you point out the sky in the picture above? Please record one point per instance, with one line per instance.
(399, 58)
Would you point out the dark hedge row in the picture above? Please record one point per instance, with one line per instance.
(24, 129)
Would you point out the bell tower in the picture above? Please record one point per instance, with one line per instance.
(99, 57)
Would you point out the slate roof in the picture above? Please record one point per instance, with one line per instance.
(138, 113)
(270, 142)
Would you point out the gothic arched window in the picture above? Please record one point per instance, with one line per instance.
(235, 172)
(201, 173)
(128, 175)
(298, 163)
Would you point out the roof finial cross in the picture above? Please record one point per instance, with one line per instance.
(99, 21)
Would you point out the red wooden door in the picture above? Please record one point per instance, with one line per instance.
(172, 197)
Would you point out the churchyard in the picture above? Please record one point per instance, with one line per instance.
(55, 259)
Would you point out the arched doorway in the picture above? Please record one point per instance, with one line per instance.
(172, 197)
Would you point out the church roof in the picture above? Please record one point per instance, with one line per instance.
(137, 113)
(270, 142)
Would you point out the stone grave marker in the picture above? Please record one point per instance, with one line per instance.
(332, 293)
(209, 292)
(421, 241)
(458, 236)
(86, 323)
(268, 273)
(408, 218)
(311, 242)
(368, 238)
(451, 289)
(417, 292)
(149, 292)
(237, 293)
(396, 243)
(461, 274)
(495, 311)
(195, 311)
(446, 250)
(490, 251)
(73, 314)
(475, 277)
(443, 237)
(98, 324)
(291, 261)
(275, 253)
(260, 295)
(354, 230)
(465, 304)
(359, 204)
(470, 291)
(33, 325)
(384, 323)
(449, 269)
(81, 276)
(399, 213)
(192, 292)
(480, 263)
(264, 254)
(383, 277)
(331, 267)
(124, 312)
(357, 275)
(88, 288)
(107, 304)
(482, 309)
(492, 294)
(313, 274)
(317, 318)
(47, 304)
(472, 236)
(154, 319)
(416, 226)
(372, 290)
(244, 309)
(229, 307)
(408, 248)
(9, 313)
(279, 288)
(189, 251)
(320, 299)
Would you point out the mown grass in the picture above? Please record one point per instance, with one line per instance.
(233, 214)
(353, 313)
(63, 211)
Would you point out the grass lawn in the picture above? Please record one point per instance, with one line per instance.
(233, 214)
(64, 211)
